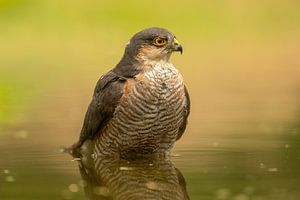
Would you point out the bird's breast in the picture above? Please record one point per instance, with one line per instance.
(150, 112)
(160, 82)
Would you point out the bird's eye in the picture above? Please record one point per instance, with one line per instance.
(158, 41)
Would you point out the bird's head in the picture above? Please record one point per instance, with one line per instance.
(152, 45)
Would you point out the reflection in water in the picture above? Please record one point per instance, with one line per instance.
(142, 179)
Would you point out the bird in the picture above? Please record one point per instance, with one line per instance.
(141, 106)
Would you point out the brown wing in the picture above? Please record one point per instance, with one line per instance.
(186, 114)
(107, 94)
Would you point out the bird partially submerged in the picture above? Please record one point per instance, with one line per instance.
(141, 106)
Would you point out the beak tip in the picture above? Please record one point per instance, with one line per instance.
(179, 48)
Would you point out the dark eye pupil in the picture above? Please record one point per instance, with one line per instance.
(159, 41)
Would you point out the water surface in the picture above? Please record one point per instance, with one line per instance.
(232, 168)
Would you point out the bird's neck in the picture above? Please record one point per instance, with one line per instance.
(152, 58)
(131, 66)
(127, 67)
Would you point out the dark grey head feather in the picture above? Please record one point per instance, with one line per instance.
(128, 65)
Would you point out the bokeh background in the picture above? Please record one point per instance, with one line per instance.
(241, 65)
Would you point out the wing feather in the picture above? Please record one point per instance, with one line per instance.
(185, 114)
(108, 91)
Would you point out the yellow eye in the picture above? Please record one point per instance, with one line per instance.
(158, 41)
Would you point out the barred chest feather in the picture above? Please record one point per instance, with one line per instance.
(149, 115)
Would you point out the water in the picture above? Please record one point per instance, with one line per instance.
(232, 168)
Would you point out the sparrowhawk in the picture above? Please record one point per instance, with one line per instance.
(141, 106)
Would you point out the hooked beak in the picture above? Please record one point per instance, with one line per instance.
(177, 46)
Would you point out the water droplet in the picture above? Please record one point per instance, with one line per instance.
(6, 171)
(286, 146)
(10, 179)
(262, 165)
(73, 187)
(274, 169)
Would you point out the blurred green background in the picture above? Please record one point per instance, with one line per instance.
(241, 65)
(238, 54)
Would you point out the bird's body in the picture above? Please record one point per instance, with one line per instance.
(141, 106)
(148, 116)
